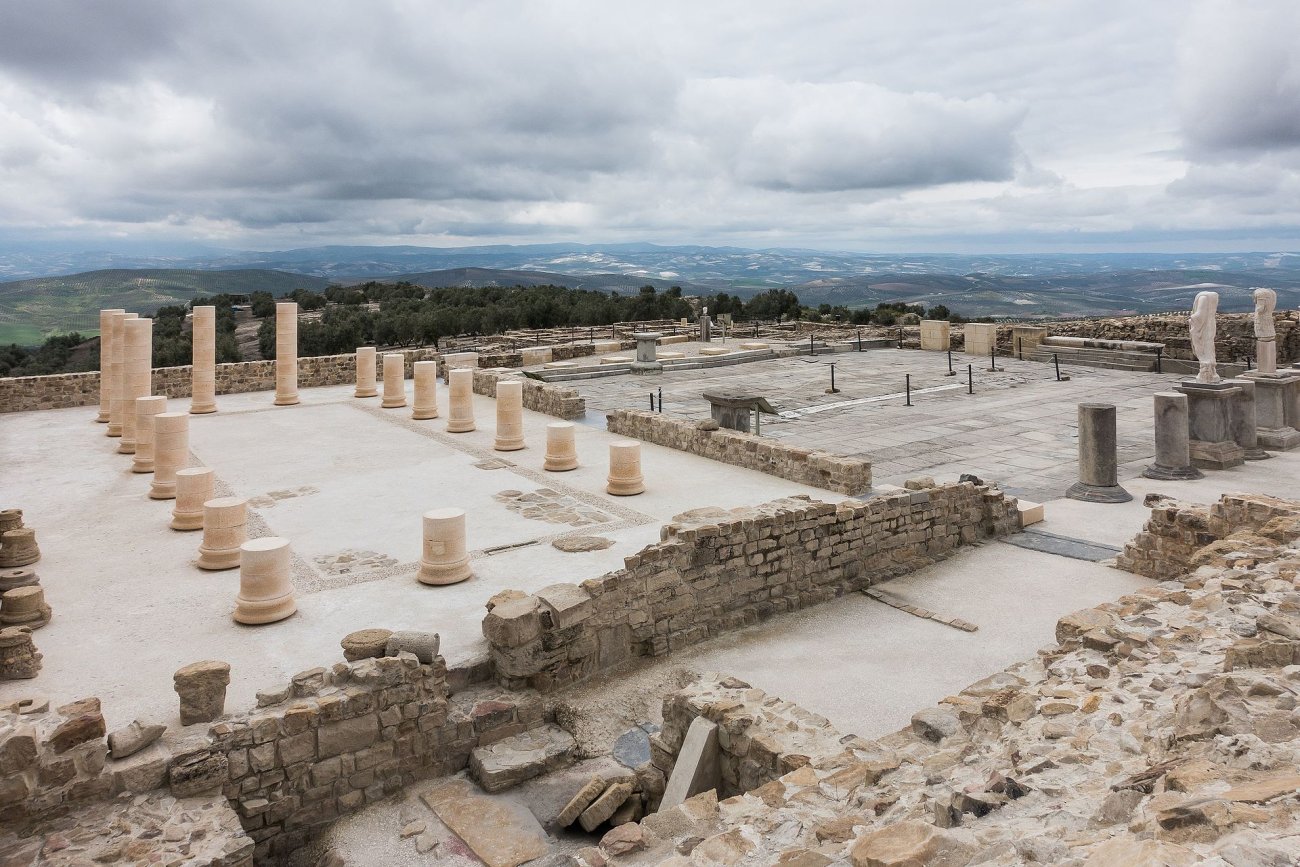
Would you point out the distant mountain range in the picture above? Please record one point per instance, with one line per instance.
(49, 291)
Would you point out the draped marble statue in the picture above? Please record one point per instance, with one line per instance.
(1201, 324)
(1265, 333)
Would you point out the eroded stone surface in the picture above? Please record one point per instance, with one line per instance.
(513, 760)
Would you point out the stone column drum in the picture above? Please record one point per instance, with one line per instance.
(460, 397)
(202, 690)
(193, 489)
(1173, 454)
(624, 478)
(1098, 464)
(444, 560)
(394, 380)
(647, 361)
(365, 372)
(510, 416)
(137, 370)
(24, 606)
(105, 361)
(426, 390)
(265, 590)
(115, 408)
(171, 452)
(18, 548)
(224, 530)
(203, 373)
(145, 409)
(10, 519)
(286, 353)
(1243, 421)
(561, 453)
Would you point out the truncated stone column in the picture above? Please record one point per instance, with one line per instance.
(18, 548)
(426, 390)
(203, 373)
(365, 372)
(1209, 422)
(647, 344)
(193, 489)
(224, 530)
(286, 353)
(1244, 430)
(445, 560)
(1173, 454)
(394, 381)
(137, 361)
(510, 416)
(561, 453)
(202, 690)
(171, 452)
(1098, 466)
(145, 409)
(624, 478)
(115, 389)
(105, 362)
(460, 397)
(265, 589)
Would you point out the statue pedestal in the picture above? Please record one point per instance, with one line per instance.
(1274, 392)
(646, 359)
(1209, 424)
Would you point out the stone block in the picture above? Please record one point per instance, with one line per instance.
(1030, 513)
(347, 736)
(566, 604)
(197, 771)
(202, 690)
(143, 771)
(513, 760)
(513, 623)
(605, 806)
(697, 768)
(935, 334)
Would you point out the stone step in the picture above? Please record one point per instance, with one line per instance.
(514, 760)
(1108, 359)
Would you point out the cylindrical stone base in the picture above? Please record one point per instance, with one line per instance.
(286, 353)
(10, 519)
(1173, 453)
(1245, 430)
(171, 452)
(193, 489)
(624, 478)
(24, 606)
(224, 530)
(19, 576)
(510, 416)
(145, 409)
(203, 373)
(426, 390)
(1098, 466)
(561, 453)
(137, 370)
(105, 361)
(18, 548)
(365, 372)
(115, 387)
(394, 381)
(444, 560)
(265, 589)
(460, 398)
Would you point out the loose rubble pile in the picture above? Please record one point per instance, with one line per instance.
(1162, 729)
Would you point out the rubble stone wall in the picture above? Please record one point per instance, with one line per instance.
(851, 476)
(1176, 531)
(716, 571)
(556, 400)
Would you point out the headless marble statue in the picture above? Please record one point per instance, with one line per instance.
(1201, 324)
(1265, 333)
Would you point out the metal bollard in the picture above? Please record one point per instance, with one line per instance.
(970, 379)
(1057, 363)
(907, 384)
(950, 372)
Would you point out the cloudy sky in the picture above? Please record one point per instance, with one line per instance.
(1070, 125)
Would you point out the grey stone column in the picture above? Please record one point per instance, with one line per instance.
(646, 359)
(1173, 453)
(1245, 432)
(1098, 464)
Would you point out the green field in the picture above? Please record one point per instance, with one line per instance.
(31, 310)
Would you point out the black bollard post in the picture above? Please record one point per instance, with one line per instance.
(900, 337)
(993, 358)
(661, 400)
(1057, 362)
(970, 379)
(1160, 351)
(950, 372)
(812, 349)
(1020, 349)
(907, 384)
(859, 340)
(652, 401)
(834, 390)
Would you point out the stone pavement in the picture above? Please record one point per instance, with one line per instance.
(1019, 428)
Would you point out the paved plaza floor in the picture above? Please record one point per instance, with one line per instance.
(1020, 427)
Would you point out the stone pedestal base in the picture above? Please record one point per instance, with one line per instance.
(624, 479)
(1098, 493)
(445, 559)
(1272, 393)
(1210, 424)
(265, 590)
(642, 367)
(1172, 474)
(561, 453)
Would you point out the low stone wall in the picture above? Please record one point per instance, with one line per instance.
(716, 571)
(849, 476)
(1168, 544)
(24, 393)
(559, 352)
(557, 400)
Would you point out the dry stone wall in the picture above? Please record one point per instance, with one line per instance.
(716, 571)
(556, 400)
(851, 476)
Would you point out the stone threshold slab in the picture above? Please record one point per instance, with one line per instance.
(1062, 546)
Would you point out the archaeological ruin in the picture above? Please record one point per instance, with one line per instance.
(677, 593)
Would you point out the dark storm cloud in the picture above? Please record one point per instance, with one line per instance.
(68, 42)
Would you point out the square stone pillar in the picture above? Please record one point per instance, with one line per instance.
(980, 338)
(935, 335)
(1273, 393)
(1026, 338)
(1209, 423)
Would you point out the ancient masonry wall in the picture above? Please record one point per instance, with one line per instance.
(1169, 542)
(718, 571)
(850, 476)
(557, 400)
